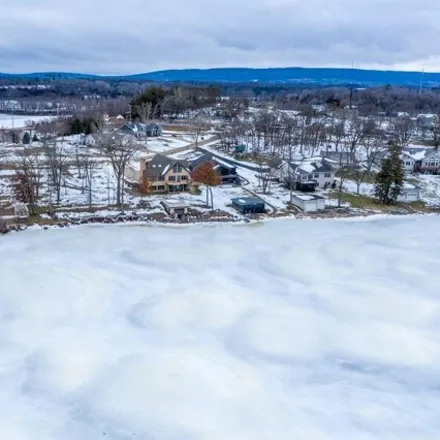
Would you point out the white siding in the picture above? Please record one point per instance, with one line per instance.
(324, 178)
(312, 205)
(409, 196)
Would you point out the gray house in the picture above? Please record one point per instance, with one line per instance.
(140, 129)
(227, 172)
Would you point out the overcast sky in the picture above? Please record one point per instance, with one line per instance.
(132, 36)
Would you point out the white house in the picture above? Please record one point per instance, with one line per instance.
(426, 120)
(431, 163)
(308, 202)
(408, 162)
(410, 193)
(421, 159)
(319, 107)
(316, 170)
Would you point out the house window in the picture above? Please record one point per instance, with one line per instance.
(327, 175)
(161, 188)
(304, 177)
(172, 178)
(310, 176)
(316, 176)
(177, 168)
(183, 178)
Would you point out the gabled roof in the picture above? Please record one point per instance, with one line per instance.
(207, 157)
(159, 165)
(417, 153)
(309, 167)
(139, 127)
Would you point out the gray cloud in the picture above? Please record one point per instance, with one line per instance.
(112, 37)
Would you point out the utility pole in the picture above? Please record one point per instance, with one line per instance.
(421, 81)
(351, 86)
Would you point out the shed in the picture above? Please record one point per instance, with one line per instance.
(240, 149)
(21, 210)
(410, 193)
(248, 205)
(177, 210)
(308, 202)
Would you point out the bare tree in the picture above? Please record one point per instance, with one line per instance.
(27, 179)
(338, 132)
(434, 132)
(404, 131)
(119, 151)
(267, 174)
(355, 133)
(344, 171)
(90, 167)
(197, 126)
(58, 167)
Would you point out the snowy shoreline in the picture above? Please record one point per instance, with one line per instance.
(118, 221)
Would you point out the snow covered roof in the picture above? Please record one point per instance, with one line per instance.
(306, 197)
(407, 185)
(417, 153)
(426, 116)
(310, 167)
(208, 157)
(224, 164)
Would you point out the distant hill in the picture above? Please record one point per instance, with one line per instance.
(289, 75)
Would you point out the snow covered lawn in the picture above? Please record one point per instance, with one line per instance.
(308, 330)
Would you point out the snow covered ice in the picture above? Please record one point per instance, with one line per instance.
(289, 330)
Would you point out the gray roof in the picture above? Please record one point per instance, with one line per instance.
(139, 127)
(207, 157)
(160, 164)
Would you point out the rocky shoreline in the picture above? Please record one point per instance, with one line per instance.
(213, 218)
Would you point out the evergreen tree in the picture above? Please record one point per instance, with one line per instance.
(389, 180)
(26, 138)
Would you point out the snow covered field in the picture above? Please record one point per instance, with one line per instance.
(19, 121)
(288, 330)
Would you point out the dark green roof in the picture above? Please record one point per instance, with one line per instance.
(247, 201)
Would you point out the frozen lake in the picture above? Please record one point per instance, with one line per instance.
(20, 121)
(305, 330)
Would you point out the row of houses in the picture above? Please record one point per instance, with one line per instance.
(421, 160)
(163, 174)
(141, 130)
